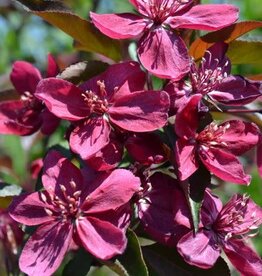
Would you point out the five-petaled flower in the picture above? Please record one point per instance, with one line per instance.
(216, 146)
(220, 228)
(112, 99)
(27, 114)
(161, 50)
(213, 80)
(76, 208)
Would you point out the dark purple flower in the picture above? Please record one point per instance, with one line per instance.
(28, 114)
(216, 146)
(76, 207)
(155, 209)
(213, 80)
(220, 228)
(160, 50)
(115, 98)
(147, 148)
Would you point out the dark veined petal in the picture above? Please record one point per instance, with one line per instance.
(60, 171)
(199, 249)
(187, 118)
(45, 249)
(224, 165)
(164, 54)
(90, 137)
(101, 238)
(236, 90)
(113, 192)
(244, 259)
(140, 111)
(206, 17)
(29, 209)
(25, 77)
(63, 99)
(239, 136)
(119, 26)
(16, 120)
(129, 78)
(186, 158)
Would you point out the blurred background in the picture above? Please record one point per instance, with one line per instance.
(27, 37)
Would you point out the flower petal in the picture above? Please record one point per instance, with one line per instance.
(119, 26)
(187, 118)
(259, 156)
(52, 67)
(199, 249)
(164, 54)
(14, 119)
(239, 136)
(244, 259)
(25, 77)
(130, 78)
(236, 90)
(29, 209)
(63, 99)
(101, 238)
(108, 157)
(156, 210)
(90, 137)
(185, 158)
(58, 171)
(49, 122)
(224, 165)
(113, 192)
(45, 249)
(140, 111)
(206, 17)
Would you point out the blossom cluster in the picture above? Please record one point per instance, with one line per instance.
(168, 135)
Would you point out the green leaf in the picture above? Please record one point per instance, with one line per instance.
(228, 34)
(7, 192)
(83, 71)
(13, 148)
(78, 28)
(80, 263)
(194, 189)
(245, 52)
(131, 262)
(166, 261)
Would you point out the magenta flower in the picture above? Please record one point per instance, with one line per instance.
(28, 114)
(75, 207)
(112, 99)
(216, 146)
(212, 79)
(162, 51)
(221, 227)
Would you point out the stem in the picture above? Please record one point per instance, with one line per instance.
(149, 81)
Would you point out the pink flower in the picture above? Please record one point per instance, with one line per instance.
(221, 227)
(114, 99)
(161, 50)
(216, 146)
(213, 80)
(27, 115)
(76, 207)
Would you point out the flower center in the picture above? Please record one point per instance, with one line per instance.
(160, 10)
(234, 219)
(67, 205)
(208, 75)
(97, 104)
(211, 135)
